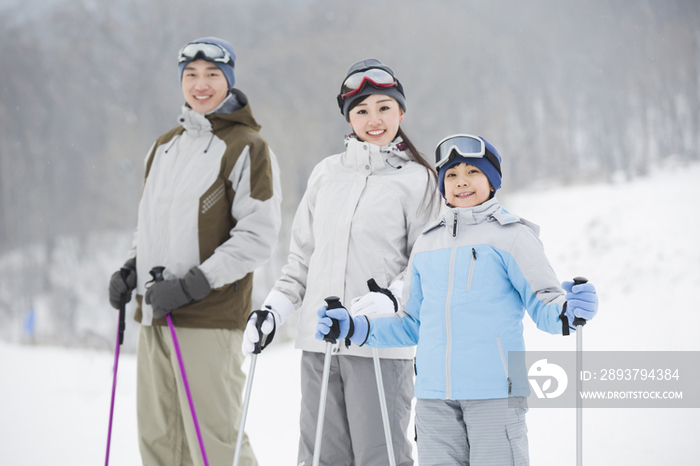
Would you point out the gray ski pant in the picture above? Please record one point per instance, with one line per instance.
(472, 432)
(353, 431)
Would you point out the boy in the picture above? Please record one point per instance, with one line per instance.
(473, 273)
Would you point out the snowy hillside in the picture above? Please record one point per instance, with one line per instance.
(637, 242)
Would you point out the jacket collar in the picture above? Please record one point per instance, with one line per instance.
(473, 215)
(489, 210)
(234, 109)
(370, 158)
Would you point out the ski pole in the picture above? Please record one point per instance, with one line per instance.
(382, 404)
(157, 273)
(372, 284)
(120, 339)
(261, 316)
(579, 323)
(330, 339)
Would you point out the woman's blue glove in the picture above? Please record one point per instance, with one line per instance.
(354, 329)
(582, 301)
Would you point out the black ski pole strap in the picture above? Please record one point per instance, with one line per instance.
(373, 287)
(351, 332)
(565, 327)
(564, 321)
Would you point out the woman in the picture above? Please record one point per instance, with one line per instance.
(361, 213)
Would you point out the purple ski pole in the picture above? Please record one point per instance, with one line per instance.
(187, 389)
(157, 273)
(120, 339)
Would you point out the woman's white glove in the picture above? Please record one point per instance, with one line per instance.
(378, 300)
(280, 308)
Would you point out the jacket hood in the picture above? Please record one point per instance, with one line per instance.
(234, 109)
(394, 148)
(490, 210)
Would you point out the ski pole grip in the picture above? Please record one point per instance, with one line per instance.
(373, 287)
(157, 273)
(333, 302)
(124, 272)
(261, 316)
(579, 281)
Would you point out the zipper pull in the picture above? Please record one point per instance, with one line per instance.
(454, 226)
(474, 253)
(505, 367)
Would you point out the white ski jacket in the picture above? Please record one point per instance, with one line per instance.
(362, 211)
(211, 198)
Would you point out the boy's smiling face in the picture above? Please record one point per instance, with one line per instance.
(466, 186)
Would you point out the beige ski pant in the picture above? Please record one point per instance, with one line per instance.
(212, 359)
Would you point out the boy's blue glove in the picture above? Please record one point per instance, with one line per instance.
(582, 301)
(355, 329)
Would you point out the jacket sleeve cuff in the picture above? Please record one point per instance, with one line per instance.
(278, 302)
(130, 263)
(361, 332)
(196, 284)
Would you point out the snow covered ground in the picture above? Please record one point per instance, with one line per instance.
(638, 242)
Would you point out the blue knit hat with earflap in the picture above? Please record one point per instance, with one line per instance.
(225, 68)
(482, 164)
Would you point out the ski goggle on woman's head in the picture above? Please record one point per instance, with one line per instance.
(463, 145)
(377, 77)
(204, 51)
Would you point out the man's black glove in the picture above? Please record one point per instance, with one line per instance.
(120, 287)
(166, 295)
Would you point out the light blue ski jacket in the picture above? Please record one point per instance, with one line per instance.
(473, 273)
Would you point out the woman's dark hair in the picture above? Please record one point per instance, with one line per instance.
(431, 188)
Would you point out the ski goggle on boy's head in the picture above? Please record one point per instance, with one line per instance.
(464, 145)
(204, 51)
(377, 77)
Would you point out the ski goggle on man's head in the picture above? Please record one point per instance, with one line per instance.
(463, 145)
(204, 51)
(377, 77)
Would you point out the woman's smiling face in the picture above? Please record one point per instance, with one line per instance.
(376, 119)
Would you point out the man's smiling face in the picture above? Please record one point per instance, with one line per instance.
(204, 86)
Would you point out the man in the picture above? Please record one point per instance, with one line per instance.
(209, 214)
